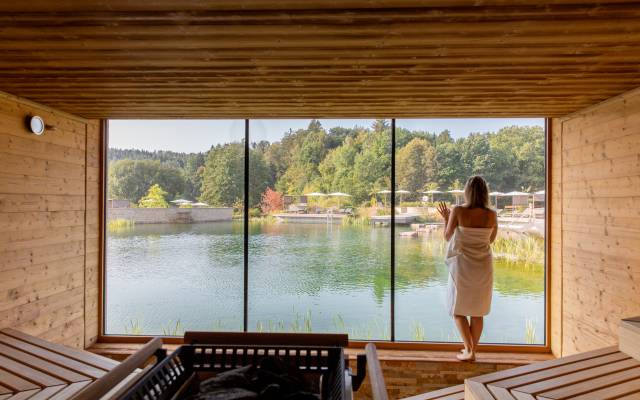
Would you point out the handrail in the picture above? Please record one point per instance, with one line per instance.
(111, 379)
(378, 387)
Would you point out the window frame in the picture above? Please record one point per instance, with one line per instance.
(391, 344)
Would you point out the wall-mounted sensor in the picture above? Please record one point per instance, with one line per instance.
(36, 124)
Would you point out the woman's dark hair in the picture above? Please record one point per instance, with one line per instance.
(476, 192)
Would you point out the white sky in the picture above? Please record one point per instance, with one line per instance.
(199, 135)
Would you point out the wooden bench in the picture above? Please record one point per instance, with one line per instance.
(35, 369)
(596, 375)
(450, 393)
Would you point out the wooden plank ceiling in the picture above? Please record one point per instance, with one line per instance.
(318, 58)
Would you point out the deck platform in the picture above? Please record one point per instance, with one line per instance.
(311, 218)
(402, 219)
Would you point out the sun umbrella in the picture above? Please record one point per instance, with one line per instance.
(315, 194)
(385, 191)
(401, 192)
(432, 192)
(338, 195)
(180, 201)
(200, 204)
(456, 193)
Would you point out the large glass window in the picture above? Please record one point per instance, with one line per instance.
(434, 158)
(317, 260)
(174, 244)
(323, 223)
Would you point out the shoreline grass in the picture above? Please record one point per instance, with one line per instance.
(120, 224)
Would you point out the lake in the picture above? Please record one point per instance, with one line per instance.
(167, 278)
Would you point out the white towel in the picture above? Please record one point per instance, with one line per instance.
(470, 265)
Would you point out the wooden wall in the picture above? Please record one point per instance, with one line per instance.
(595, 245)
(49, 224)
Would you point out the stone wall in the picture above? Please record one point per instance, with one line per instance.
(171, 215)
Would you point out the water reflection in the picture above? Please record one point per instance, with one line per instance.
(334, 278)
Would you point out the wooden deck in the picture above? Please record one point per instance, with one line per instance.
(311, 218)
(36, 369)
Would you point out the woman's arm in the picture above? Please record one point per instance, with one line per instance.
(494, 233)
(450, 223)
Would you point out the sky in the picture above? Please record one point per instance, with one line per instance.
(199, 135)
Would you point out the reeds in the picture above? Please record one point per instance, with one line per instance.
(173, 329)
(529, 331)
(355, 220)
(120, 224)
(133, 328)
(263, 220)
(525, 250)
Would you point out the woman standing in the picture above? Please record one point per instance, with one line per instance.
(470, 229)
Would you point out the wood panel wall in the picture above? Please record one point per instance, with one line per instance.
(595, 247)
(49, 224)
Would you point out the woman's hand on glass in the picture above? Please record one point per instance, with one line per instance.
(444, 211)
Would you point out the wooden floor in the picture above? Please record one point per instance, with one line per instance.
(35, 369)
(597, 375)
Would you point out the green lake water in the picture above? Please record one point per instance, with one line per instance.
(163, 279)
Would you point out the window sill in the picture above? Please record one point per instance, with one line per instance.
(120, 351)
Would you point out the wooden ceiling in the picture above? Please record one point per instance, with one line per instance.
(318, 58)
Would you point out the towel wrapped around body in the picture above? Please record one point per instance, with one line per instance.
(470, 264)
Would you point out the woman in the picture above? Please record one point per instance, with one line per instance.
(470, 229)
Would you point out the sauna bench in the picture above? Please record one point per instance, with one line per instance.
(37, 369)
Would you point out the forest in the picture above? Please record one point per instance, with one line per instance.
(356, 161)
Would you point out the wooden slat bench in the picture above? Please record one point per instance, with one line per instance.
(596, 375)
(35, 369)
(450, 393)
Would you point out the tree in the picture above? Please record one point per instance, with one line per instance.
(259, 177)
(130, 179)
(271, 201)
(372, 165)
(443, 138)
(448, 164)
(456, 185)
(155, 198)
(415, 166)
(223, 175)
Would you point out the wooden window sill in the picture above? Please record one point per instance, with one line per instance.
(120, 351)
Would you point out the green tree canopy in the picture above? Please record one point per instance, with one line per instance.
(130, 179)
(356, 161)
(155, 198)
(415, 166)
(223, 175)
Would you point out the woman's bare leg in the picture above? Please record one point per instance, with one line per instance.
(465, 332)
(477, 323)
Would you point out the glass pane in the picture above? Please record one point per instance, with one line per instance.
(434, 157)
(174, 249)
(317, 262)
